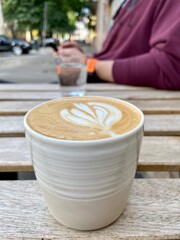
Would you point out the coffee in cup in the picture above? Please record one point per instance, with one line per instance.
(85, 152)
(84, 118)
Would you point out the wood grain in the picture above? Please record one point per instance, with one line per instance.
(152, 212)
(148, 107)
(11, 126)
(121, 94)
(162, 125)
(55, 87)
(14, 155)
(155, 125)
(158, 106)
(157, 154)
(13, 108)
(160, 154)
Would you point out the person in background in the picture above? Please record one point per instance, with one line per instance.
(142, 48)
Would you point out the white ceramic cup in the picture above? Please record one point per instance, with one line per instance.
(85, 183)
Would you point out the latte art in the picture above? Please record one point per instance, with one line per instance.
(83, 118)
(95, 115)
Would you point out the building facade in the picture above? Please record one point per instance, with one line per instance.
(105, 12)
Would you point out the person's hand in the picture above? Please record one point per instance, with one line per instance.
(70, 44)
(70, 48)
(103, 69)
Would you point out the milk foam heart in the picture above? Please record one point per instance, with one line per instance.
(93, 115)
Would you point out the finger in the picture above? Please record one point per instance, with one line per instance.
(69, 51)
(65, 51)
(71, 45)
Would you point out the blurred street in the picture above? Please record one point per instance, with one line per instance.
(35, 67)
(46, 25)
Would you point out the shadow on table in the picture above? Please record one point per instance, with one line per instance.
(17, 176)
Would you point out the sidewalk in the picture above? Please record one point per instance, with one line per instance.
(36, 67)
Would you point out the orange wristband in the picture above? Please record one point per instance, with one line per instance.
(58, 69)
(91, 64)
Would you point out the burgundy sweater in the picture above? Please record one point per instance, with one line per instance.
(144, 43)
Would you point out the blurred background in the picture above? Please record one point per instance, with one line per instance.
(31, 30)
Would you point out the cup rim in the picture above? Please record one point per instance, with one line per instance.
(84, 142)
(72, 56)
(81, 57)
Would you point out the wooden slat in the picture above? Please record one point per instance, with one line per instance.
(28, 87)
(28, 96)
(157, 154)
(158, 106)
(148, 107)
(155, 125)
(160, 154)
(11, 126)
(135, 95)
(13, 108)
(162, 125)
(55, 87)
(14, 155)
(152, 212)
(121, 94)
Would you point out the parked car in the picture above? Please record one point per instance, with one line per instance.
(50, 42)
(17, 46)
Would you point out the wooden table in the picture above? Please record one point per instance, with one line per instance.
(161, 144)
(153, 209)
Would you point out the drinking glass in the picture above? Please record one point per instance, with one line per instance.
(72, 74)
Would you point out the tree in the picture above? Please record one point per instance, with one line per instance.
(24, 14)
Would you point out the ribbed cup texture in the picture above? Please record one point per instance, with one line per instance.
(82, 170)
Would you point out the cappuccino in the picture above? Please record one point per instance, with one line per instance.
(85, 184)
(84, 118)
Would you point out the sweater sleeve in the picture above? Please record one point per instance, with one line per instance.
(160, 67)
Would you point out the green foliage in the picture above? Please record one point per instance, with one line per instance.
(28, 14)
(23, 13)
